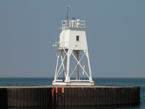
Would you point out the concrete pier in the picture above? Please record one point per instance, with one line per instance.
(68, 95)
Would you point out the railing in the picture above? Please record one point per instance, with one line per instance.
(73, 80)
(73, 23)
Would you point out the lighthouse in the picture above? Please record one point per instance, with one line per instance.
(73, 63)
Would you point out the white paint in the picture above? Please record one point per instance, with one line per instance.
(72, 41)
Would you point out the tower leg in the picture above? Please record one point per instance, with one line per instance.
(87, 55)
(55, 77)
(67, 79)
(77, 56)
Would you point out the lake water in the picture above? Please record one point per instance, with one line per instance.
(98, 81)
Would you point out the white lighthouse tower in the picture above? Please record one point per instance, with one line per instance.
(73, 64)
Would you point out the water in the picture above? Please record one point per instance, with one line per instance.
(98, 81)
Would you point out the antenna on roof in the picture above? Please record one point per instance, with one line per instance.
(67, 14)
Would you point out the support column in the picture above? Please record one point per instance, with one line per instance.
(67, 79)
(57, 66)
(87, 55)
(78, 73)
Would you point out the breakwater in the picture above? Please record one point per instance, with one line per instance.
(68, 95)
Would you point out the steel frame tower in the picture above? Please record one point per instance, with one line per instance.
(71, 44)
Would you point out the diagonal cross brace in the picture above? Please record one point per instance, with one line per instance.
(62, 60)
(78, 62)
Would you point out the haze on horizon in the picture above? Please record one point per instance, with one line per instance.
(115, 35)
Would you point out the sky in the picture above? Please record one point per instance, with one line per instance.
(115, 36)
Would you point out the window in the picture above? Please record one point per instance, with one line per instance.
(77, 38)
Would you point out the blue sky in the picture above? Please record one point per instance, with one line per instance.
(115, 35)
